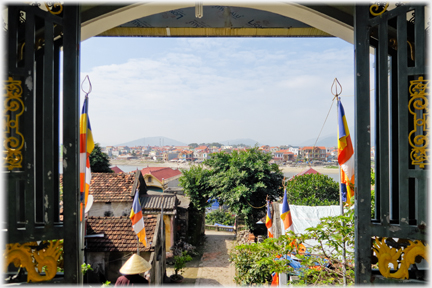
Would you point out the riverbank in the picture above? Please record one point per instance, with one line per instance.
(284, 169)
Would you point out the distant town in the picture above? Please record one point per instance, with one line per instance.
(197, 153)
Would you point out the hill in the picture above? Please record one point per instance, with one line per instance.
(245, 141)
(326, 141)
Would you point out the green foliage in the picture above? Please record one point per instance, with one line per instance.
(332, 167)
(195, 183)
(221, 217)
(312, 190)
(180, 262)
(330, 234)
(249, 269)
(242, 180)
(99, 161)
(85, 267)
(107, 283)
(193, 145)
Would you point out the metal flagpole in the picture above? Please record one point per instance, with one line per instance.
(82, 201)
(336, 94)
(137, 191)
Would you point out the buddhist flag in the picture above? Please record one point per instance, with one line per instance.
(86, 147)
(286, 213)
(137, 220)
(269, 222)
(275, 279)
(345, 156)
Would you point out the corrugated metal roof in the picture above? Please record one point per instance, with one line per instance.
(152, 204)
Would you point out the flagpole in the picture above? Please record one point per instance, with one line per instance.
(137, 191)
(82, 201)
(336, 94)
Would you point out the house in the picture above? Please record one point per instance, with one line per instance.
(110, 241)
(156, 204)
(274, 149)
(288, 156)
(160, 178)
(116, 169)
(201, 148)
(294, 149)
(306, 172)
(314, 153)
(113, 193)
(113, 196)
(169, 155)
(185, 155)
(123, 149)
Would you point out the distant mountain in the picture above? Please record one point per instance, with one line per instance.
(153, 141)
(245, 141)
(327, 141)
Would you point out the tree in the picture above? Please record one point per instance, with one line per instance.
(242, 180)
(99, 161)
(221, 217)
(193, 145)
(255, 262)
(312, 190)
(195, 183)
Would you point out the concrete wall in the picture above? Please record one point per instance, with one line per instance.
(157, 258)
(98, 209)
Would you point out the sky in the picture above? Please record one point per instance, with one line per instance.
(276, 91)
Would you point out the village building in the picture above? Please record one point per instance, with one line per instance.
(110, 241)
(116, 169)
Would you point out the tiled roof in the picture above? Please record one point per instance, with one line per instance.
(152, 204)
(161, 172)
(308, 171)
(112, 187)
(312, 147)
(118, 234)
(202, 147)
(116, 169)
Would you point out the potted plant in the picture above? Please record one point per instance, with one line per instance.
(179, 265)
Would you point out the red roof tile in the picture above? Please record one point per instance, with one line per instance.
(112, 187)
(118, 234)
(161, 172)
(116, 169)
(308, 171)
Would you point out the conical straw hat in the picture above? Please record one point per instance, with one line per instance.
(135, 265)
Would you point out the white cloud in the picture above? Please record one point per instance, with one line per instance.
(204, 89)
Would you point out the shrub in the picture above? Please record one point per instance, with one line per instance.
(220, 217)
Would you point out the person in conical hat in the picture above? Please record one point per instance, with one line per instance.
(134, 266)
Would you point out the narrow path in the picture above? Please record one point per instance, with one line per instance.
(214, 268)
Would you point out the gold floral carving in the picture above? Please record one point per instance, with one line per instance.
(13, 108)
(54, 6)
(32, 256)
(419, 108)
(375, 9)
(401, 258)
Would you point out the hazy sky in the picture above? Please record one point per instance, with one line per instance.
(273, 90)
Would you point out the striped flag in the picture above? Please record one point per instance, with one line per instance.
(286, 214)
(137, 220)
(269, 222)
(86, 143)
(275, 279)
(345, 157)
